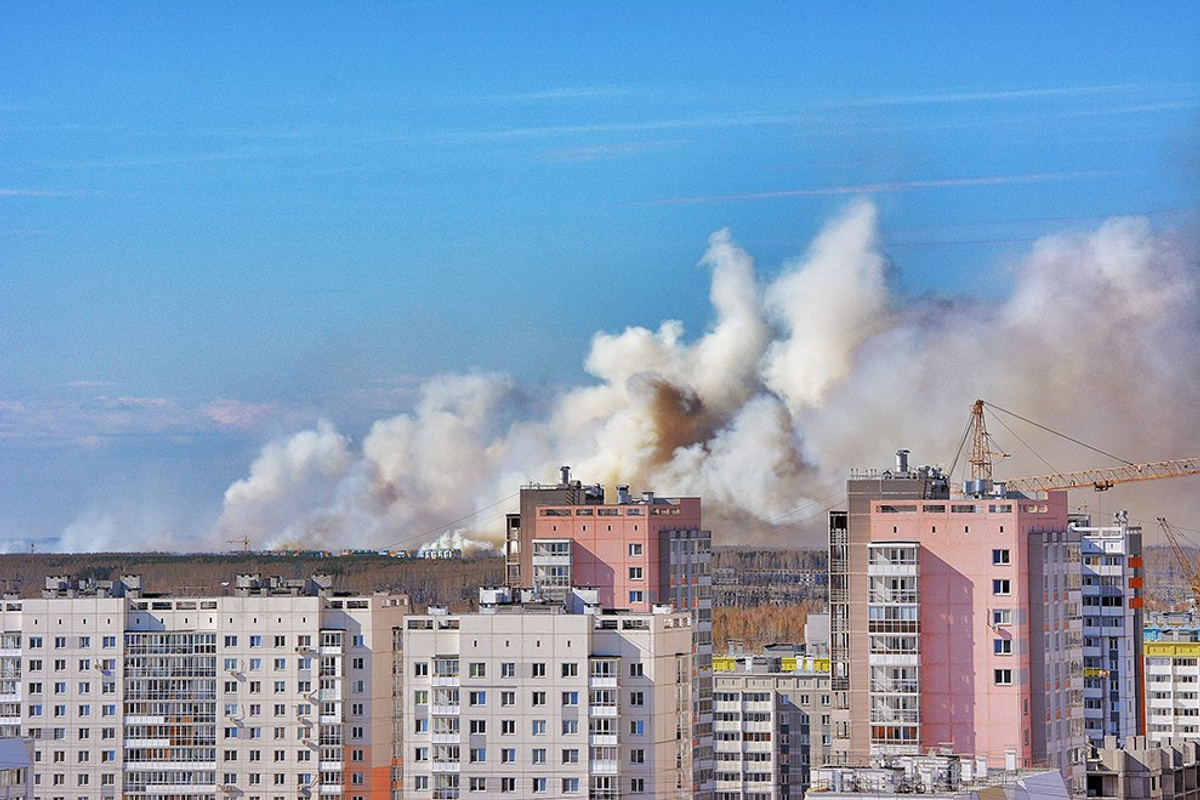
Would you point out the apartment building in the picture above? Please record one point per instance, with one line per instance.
(276, 690)
(535, 699)
(1140, 769)
(637, 553)
(971, 634)
(1111, 563)
(771, 722)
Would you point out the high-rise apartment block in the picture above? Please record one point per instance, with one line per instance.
(970, 636)
(636, 553)
(528, 700)
(1112, 630)
(278, 690)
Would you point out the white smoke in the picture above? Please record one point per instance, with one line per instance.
(799, 378)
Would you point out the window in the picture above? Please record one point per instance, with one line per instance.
(508, 727)
(508, 699)
(570, 669)
(477, 669)
(421, 754)
(539, 785)
(421, 725)
(356, 663)
(1003, 677)
(570, 727)
(109, 641)
(637, 698)
(508, 755)
(1001, 586)
(538, 698)
(539, 727)
(539, 669)
(637, 596)
(638, 785)
(508, 785)
(635, 669)
(279, 641)
(1002, 616)
(477, 784)
(478, 726)
(477, 698)
(635, 573)
(1001, 556)
(1002, 647)
(570, 698)
(635, 549)
(570, 755)
(539, 755)
(637, 727)
(508, 669)
(637, 756)
(570, 785)
(420, 669)
(478, 755)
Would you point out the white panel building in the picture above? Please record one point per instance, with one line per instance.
(281, 690)
(527, 700)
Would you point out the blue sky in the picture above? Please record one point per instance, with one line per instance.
(219, 222)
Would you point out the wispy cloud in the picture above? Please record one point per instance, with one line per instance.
(890, 187)
(1009, 94)
(603, 152)
(89, 384)
(46, 193)
(549, 131)
(563, 93)
(236, 154)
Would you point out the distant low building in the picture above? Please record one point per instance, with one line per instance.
(1144, 770)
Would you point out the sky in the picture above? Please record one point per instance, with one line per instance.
(222, 226)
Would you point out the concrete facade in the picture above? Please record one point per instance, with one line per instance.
(528, 701)
(970, 639)
(772, 723)
(1111, 560)
(639, 552)
(280, 690)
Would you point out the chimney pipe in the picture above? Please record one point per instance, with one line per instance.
(902, 462)
(566, 475)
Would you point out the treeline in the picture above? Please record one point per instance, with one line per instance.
(451, 583)
(743, 560)
(755, 626)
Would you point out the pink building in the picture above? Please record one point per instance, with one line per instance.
(970, 638)
(638, 552)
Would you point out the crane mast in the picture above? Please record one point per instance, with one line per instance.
(1189, 568)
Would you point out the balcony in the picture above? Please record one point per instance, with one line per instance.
(605, 767)
(602, 711)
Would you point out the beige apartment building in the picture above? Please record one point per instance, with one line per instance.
(535, 699)
(278, 690)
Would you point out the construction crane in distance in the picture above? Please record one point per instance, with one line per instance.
(244, 542)
(1100, 479)
(1190, 570)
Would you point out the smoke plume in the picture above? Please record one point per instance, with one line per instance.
(799, 378)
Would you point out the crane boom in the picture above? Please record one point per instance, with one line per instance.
(1106, 477)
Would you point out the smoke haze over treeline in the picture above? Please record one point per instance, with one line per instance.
(821, 368)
